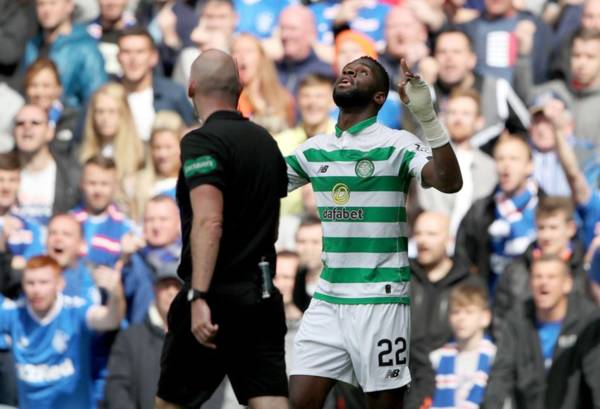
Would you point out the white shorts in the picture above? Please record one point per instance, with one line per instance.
(366, 345)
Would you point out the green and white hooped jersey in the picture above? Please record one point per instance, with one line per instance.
(361, 178)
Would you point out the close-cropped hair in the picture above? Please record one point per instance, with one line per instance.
(552, 258)
(9, 161)
(506, 137)
(383, 79)
(468, 294)
(467, 93)
(455, 30)
(309, 219)
(550, 205)
(42, 261)
(312, 80)
(38, 66)
(137, 31)
(101, 161)
(586, 35)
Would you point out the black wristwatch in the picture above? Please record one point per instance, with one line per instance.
(194, 295)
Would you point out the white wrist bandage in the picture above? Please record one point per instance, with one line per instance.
(435, 133)
(421, 105)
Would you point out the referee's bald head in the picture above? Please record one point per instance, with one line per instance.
(214, 74)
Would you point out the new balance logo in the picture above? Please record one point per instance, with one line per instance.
(392, 373)
(323, 168)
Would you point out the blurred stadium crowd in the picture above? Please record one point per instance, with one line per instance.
(94, 103)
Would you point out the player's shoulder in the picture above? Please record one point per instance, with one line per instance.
(396, 137)
(403, 140)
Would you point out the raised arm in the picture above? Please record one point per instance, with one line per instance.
(555, 110)
(442, 172)
(109, 316)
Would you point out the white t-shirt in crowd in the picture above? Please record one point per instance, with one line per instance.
(141, 104)
(36, 193)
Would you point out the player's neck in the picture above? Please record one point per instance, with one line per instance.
(349, 117)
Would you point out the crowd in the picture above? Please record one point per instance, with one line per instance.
(505, 286)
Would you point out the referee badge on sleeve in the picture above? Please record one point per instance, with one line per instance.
(199, 166)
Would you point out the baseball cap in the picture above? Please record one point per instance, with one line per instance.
(539, 101)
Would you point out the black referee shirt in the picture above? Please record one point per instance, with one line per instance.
(242, 160)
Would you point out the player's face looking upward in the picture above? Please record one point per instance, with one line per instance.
(357, 87)
(41, 286)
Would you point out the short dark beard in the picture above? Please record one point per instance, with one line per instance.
(353, 98)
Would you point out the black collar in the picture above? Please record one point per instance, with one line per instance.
(235, 115)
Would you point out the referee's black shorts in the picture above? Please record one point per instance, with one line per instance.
(250, 351)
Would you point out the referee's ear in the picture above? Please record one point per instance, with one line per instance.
(192, 89)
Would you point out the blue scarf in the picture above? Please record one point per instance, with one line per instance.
(447, 382)
(513, 229)
(165, 259)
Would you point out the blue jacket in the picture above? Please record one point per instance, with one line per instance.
(137, 286)
(169, 95)
(79, 62)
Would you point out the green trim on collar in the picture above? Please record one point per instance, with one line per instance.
(356, 128)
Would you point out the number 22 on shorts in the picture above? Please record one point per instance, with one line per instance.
(387, 348)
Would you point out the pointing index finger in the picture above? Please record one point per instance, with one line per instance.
(405, 70)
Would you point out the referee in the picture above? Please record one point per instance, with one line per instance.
(228, 319)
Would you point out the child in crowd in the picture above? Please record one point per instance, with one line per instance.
(462, 365)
